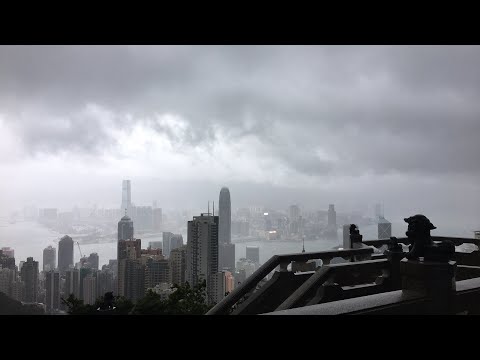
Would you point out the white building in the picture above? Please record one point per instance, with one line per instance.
(164, 290)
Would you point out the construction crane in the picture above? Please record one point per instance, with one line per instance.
(81, 256)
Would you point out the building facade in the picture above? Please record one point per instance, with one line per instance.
(202, 252)
(52, 290)
(49, 258)
(29, 275)
(65, 253)
(178, 265)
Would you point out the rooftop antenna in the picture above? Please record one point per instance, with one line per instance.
(208, 209)
(303, 250)
(214, 208)
(125, 211)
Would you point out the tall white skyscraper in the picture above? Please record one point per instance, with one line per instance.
(202, 252)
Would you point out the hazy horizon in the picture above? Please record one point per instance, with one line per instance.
(278, 125)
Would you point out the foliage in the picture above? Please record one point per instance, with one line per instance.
(106, 305)
(185, 300)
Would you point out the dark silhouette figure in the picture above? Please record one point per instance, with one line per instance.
(422, 245)
(355, 234)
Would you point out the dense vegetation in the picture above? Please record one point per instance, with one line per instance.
(9, 306)
(185, 300)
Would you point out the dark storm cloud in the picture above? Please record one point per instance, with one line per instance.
(377, 109)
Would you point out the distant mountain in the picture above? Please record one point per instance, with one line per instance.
(9, 306)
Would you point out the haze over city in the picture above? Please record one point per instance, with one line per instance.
(350, 125)
(227, 180)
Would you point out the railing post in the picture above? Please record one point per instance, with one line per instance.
(395, 254)
(284, 266)
(428, 268)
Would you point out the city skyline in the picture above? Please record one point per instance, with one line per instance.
(279, 125)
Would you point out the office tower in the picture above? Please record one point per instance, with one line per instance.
(7, 277)
(131, 274)
(9, 252)
(157, 271)
(384, 228)
(176, 241)
(65, 253)
(89, 289)
(346, 236)
(49, 258)
(293, 212)
(226, 259)
(253, 253)
(29, 276)
(223, 285)
(178, 265)
(84, 272)
(166, 243)
(202, 252)
(105, 282)
(6, 261)
(52, 290)
(156, 245)
(144, 218)
(225, 217)
(93, 261)
(125, 228)
(18, 290)
(332, 216)
(126, 197)
(157, 219)
(72, 283)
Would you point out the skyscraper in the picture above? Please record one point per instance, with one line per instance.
(52, 290)
(253, 254)
(332, 216)
(65, 253)
(89, 289)
(166, 242)
(384, 228)
(49, 258)
(126, 197)
(125, 228)
(176, 241)
(225, 217)
(9, 252)
(157, 271)
(226, 259)
(202, 252)
(178, 265)
(131, 273)
(29, 275)
(93, 261)
(72, 283)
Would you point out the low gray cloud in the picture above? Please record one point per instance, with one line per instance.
(380, 109)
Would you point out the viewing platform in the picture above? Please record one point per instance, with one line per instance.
(418, 274)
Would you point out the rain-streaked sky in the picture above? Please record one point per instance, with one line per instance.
(350, 125)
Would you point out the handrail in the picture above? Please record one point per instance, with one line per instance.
(251, 282)
(456, 240)
(322, 275)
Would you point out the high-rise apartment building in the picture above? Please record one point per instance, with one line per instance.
(178, 265)
(49, 258)
(202, 252)
(52, 290)
(29, 276)
(65, 253)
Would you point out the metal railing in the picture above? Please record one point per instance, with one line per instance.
(224, 306)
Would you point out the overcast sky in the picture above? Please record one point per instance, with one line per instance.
(350, 125)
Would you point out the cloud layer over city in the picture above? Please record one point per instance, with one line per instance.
(351, 125)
